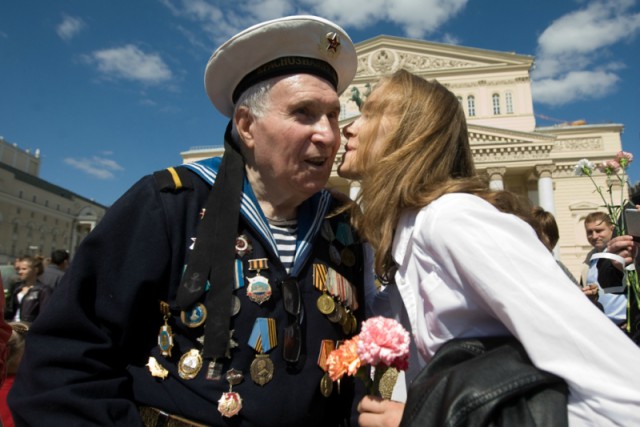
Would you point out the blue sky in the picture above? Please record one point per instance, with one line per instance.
(109, 91)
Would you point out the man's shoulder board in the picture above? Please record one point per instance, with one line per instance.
(173, 179)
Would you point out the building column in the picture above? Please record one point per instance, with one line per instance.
(495, 178)
(546, 198)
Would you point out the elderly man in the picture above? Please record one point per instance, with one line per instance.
(212, 293)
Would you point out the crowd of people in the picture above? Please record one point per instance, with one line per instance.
(211, 294)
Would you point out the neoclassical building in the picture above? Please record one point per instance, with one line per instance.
(37, 217)
(495, 91)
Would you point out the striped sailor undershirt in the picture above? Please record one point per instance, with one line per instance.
(284, 232)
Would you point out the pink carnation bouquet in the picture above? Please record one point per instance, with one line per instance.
(382, 343)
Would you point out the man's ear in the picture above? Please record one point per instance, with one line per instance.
(244, 124)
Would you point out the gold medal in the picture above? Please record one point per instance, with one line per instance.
(190, 364)
(261, 369)
(325, 304)
(326, 385)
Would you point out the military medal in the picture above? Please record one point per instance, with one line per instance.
(165, 336)
(235, 305)
(259, 289)
(347, 257)
(194, 317)
(326, 305)
(334, 254)
(156, 369)
(337, 315)
(263, 338)
(190, 364)
(230, 403)
(344, 234)
(326, 384)
(243, 245)
(327, 232)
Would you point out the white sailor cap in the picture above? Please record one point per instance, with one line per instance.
(290, 45)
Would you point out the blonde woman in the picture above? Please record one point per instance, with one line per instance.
(466, 261)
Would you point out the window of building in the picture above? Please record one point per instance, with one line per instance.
(496, 103)
(20, 194)
(508, 101)
(471, 105)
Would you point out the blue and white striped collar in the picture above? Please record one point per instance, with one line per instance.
(311, 213)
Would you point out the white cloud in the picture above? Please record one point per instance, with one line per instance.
(571, 54)
(417, 17)
(98, 167)
(69, 27)
(574, 86)
(130, 63)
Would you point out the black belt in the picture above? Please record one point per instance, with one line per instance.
(153, 417)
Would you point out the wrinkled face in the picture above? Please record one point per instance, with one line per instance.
(598, 234)
(365, 137)
(26, 271)
(292, 146)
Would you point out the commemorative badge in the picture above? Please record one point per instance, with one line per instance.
(194, 317)
(230, 403)
(165, 336)
(190, 364)
(259, 289)
(156, 369)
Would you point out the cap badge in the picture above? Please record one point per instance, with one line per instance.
(333, 42)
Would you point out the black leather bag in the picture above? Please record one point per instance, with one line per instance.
(488, 382)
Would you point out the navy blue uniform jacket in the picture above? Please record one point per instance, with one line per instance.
(86, 355)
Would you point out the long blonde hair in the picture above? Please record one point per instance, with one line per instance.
(425, 155)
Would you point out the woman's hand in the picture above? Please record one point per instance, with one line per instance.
(378, 412)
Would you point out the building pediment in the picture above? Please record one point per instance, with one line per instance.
(386, 54)
(494, 145)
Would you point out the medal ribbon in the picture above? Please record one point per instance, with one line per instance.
(263, 336)
(319, 277)
(258, 264)
(238, 274)
(340, 287)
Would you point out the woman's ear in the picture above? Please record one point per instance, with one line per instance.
(244, 124)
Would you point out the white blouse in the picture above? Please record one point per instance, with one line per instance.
(469, 270)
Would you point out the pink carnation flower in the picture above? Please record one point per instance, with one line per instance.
(609, 166)
(385, 342)
(624, 158)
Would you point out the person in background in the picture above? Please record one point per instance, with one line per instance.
(611, 293)
(15, 347)
(54, 271)
(626, 247)
(468, 262)
(550, 235)
(211, 293)
(28, 296)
